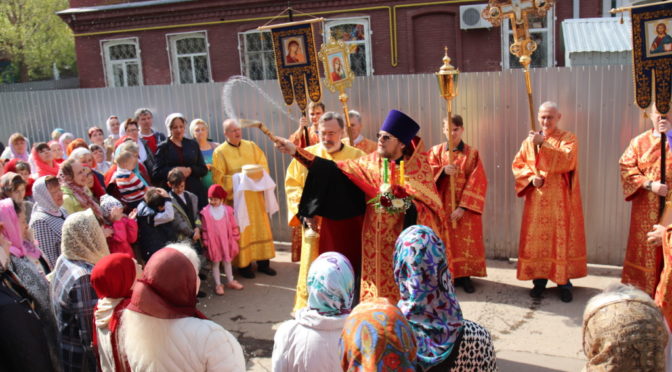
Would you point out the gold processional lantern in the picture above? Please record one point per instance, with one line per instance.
(447, 78)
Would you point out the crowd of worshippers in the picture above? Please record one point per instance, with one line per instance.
(103, 242)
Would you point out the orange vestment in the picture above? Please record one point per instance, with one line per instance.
(366, 145)
(380, 230)
(664, 291)
(466, 241)
(640, 163)
(552, 240)
(298, 139)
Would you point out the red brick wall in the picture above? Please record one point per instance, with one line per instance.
(422, 32)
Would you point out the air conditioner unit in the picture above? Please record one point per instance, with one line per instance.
(470, 17)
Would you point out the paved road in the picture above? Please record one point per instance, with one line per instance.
(529, 334)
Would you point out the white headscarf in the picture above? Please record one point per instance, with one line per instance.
(171, 117)
(43, 199)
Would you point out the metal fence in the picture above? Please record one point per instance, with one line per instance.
(596, 104)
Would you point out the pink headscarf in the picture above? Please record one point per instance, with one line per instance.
(12, 231)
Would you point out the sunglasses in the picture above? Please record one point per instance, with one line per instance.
(384, 137)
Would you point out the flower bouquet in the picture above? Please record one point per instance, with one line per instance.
(392, 199)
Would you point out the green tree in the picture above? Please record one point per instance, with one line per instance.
(34, 38)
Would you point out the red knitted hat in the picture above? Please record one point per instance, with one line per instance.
(216, 191)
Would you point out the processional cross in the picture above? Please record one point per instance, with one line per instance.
(519, 12)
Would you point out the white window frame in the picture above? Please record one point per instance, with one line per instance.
(108, 63)
(244, 58)
(366, 21)
(549, 29)
(606, 6)
(171, 48)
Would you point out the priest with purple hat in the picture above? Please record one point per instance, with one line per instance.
(393, 188)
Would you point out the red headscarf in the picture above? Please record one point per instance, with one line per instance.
(113, 277)
(42, 168)
(167, 289)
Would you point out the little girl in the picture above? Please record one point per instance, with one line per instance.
(220, 234)
(124, 229)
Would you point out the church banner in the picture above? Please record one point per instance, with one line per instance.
(652, 55)
(296, 63)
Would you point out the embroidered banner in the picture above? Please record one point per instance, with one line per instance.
(652, 55)
(296, 63)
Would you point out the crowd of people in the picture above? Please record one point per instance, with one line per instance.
(105, 242)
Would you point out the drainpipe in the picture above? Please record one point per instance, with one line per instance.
(575, 9)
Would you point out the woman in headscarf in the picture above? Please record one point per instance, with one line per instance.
(112, 278)
(56, 134)
(84, 155)
(43, 160)
(47, 219)
(13, 186)
(113, 125)
(377, 337)
(446, 341)
(200, 132)
(97, 137)
(76, 195)
(309, 342)
(64, 140)
(73, 297)
(183, 153)
(161, 329)
(17, 148)
(623, 331)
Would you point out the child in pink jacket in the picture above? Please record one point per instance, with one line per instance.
(124, 229)
(220, 235)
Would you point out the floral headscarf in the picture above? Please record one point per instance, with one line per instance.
(427, 294)
(377, 337)
(83, 238)
(12, 231)
(331, 283)
(80, 193)
(43, 199)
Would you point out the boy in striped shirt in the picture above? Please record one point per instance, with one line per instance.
(131, 188)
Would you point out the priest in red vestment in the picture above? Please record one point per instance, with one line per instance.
(339, 190)
(552, 240)
(466, 239)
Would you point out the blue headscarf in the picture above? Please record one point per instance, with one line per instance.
(331, 281)
(427, 294)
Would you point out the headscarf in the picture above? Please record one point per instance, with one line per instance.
(43, 200)
(624, 332)
(83, 238)
(84, 198)
(331, 283)
(12, 231)
(12, 150)
(61, 140)
(77, 143)
(427, 294)
(167, 289)
(109, 127)
(377, 337)
(171, 117)
(78, 152)
(42, 168)
(112, 278)
(107, 203)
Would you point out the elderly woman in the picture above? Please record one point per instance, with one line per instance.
(131, 130)
(43, 160)
(446, 341)
(17, 148)
(310, 341)
(98, 152)
(161, 329)
(112, 278)
(76, 195)
(73, 296)
(47, 219)
(377, 337)
(200, 131)
(624, 330)
(84, 156)
(182, 153)
(64, 140)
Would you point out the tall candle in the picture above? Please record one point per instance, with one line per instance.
(385, 170)
(401, 173)
(392, 166)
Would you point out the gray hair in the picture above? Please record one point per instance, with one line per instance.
(228, 122)
(142, 111)
(330, 115)
(355, 114)
(549, 104)
(188, 251)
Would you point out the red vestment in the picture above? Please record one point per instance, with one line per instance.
(466, 240)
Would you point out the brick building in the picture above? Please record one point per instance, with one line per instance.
(191, 41)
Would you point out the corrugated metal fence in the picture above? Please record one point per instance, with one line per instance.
(596, 104)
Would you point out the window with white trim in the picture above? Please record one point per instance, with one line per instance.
(541, 31)
(123, 66)
(353, 31)
(257, 60)
(189, 60)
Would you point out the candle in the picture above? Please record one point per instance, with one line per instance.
(385, 170)
(401, 173)
(392, 166)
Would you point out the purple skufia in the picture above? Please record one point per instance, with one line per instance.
(401, 126)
